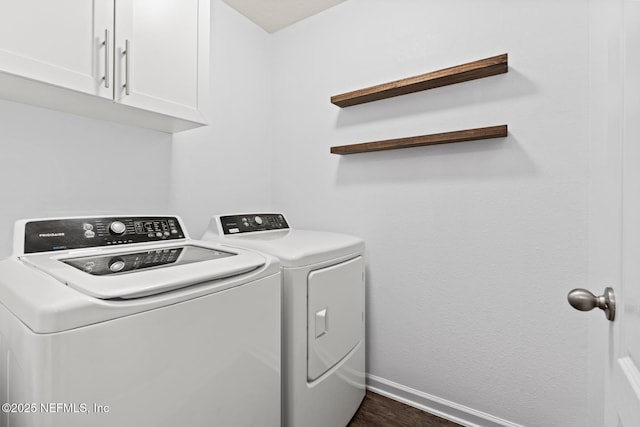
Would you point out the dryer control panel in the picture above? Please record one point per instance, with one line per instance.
(247, 223)
(73, 233)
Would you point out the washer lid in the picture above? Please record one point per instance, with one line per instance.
(124, 263)
(143, 271)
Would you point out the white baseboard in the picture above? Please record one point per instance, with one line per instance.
(434, 405)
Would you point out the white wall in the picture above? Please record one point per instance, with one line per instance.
(226, 167)
(59, 164)
(472, 247)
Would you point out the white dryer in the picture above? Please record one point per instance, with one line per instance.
(125, 321)
(323, 314)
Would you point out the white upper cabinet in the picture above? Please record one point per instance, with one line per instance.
(57, 42)
(72, 55)
(159, 69)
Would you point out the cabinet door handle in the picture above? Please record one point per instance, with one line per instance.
(127, 76)
(106, 77)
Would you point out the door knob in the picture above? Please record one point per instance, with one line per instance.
(583, 300)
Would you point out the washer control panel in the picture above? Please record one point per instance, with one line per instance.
(74, 233)
(248, 223)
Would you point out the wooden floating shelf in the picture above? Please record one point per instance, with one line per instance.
(448, 76)
(418, 141)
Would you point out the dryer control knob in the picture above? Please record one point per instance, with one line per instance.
(117, 227)
(258, 220)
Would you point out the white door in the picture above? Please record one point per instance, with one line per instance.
(57, 42)
(625, 363)
(160, 71)
(615, 205)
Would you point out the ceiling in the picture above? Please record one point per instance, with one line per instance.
(273, 15)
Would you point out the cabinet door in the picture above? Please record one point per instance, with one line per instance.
(57, 42)
(160, 70)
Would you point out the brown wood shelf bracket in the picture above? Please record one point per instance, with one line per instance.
(418, 141)
(448, 76)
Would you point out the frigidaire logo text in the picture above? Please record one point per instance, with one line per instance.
(50, 234)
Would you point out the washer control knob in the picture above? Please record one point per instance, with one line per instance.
(117, 227)
(258, 220)
(116, 265)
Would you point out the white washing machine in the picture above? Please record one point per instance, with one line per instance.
(125, 321)
(323, 314)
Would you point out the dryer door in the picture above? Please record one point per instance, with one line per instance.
(335, 310)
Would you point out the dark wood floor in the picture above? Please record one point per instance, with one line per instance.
(379, 411)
